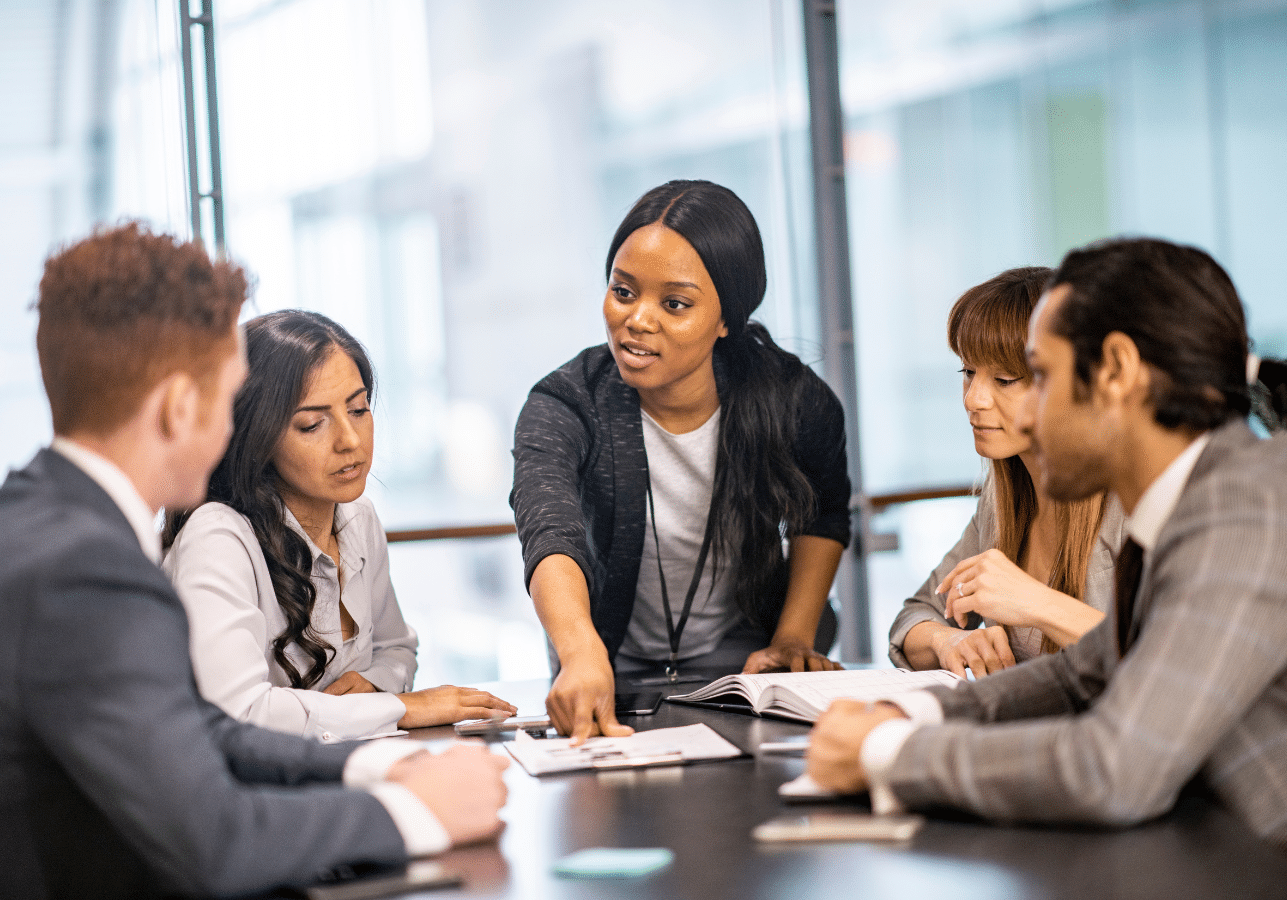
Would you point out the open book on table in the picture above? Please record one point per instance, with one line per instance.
(806, 695)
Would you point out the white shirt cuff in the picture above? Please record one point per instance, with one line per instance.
(921, 707)
(368, 764)
(421, 831)
(879, 750)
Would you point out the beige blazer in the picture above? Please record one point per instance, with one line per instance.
(980, 535)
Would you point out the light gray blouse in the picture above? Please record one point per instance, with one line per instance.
(221, 576)
(981, 535)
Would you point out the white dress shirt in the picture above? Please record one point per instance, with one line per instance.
(881, 746)
(219, 570)
(366, 767)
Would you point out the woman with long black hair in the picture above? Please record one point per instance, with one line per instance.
(284, 571)
(659, 478)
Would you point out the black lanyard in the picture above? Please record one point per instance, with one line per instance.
(673, 631)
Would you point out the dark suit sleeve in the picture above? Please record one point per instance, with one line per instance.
(106, 686)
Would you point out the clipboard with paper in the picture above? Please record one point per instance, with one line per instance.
(659, 747)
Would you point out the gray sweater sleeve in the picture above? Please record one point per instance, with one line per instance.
(925, 605)
(551, 449)
(980, 535)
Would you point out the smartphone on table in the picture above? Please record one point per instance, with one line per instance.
(642, 703)
(839, 827)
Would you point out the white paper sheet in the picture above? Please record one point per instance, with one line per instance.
(663, 746)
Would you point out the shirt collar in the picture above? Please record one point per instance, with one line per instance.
(117, 485)
(345, 513)
(1161, 497)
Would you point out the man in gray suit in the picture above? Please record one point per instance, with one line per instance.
(1139, 353)
(116, 778)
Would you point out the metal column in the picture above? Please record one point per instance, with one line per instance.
(831, 232)
(204, 21)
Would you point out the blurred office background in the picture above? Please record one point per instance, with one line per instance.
(443, 176)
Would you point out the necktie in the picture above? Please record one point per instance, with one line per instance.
(1130, 566)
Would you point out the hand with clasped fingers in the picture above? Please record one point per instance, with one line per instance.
(992, 586)
(981, 650)
(834, 759)
(462, 787)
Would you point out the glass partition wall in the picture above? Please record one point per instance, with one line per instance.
(996, 133)
(443, 176)
(443, 179)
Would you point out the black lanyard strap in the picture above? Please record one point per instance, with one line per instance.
(675, 632)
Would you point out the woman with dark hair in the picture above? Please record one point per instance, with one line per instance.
(1030, 574)
(658, 477)
(284, 571)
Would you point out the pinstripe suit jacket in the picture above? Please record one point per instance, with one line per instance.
(1081, 736)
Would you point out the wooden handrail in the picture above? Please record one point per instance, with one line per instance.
(454, 531)
(877, 502)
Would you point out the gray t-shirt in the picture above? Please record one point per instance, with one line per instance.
(681, 468)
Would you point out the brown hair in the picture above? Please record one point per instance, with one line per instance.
(988, 326)
(122, 310)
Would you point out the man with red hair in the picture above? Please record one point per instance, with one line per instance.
(117, 778)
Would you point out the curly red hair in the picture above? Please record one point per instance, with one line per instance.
(124, 309)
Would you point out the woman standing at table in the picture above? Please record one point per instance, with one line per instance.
(1036, 572)
(656, 476)
(284, 572)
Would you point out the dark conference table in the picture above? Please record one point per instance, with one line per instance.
(705, 812)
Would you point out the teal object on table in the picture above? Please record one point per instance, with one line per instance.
(614, 862)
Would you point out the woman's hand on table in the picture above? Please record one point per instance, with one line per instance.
(582, 700)
(448, 703)
(981, 650)
(788, 657)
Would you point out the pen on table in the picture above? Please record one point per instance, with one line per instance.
(784, 748)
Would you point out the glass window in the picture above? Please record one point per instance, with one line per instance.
(443, 179)
(443, 176)
(986, 135)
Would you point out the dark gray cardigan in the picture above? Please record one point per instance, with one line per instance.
(581, 478)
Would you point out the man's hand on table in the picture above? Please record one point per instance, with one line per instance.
(462, 787)
(834, 759)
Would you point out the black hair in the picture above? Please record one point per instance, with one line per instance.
(761, 495)
(283, 350)
(1183, 313)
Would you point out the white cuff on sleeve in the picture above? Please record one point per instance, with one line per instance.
(368, 764)
(879, 750)
(421, 831)
(921, 707)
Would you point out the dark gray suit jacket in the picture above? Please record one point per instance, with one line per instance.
(116, 778)
(1202, 691)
